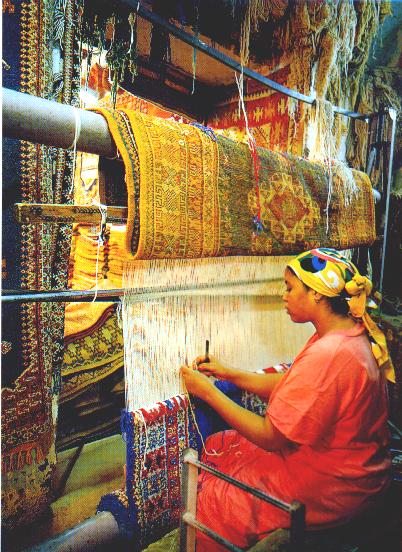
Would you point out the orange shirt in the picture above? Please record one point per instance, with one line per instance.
(332, 406)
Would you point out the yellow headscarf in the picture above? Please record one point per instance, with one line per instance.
(330, 273)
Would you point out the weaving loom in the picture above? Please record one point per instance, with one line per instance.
(207, 220)
(191, 204)
(155, 438)
(191, 196)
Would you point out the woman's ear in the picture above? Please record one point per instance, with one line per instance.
(317, 296)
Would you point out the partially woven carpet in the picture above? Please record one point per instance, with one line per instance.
(156, 438)
(191, 196)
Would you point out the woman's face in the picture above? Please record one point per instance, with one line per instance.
(297, 298)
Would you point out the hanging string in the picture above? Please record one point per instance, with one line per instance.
(100, 238)
(192, 412)
(197, 34)
(132, 51)
(77, 132)
(257, 222)
(194, 64)
(323, 150)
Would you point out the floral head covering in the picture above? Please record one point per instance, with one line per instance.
(329, 272)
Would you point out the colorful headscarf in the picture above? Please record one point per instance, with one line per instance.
(332, 274)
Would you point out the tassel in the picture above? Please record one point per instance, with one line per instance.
(132, 52)
(20, 460)
(39, 454)
(28, 458)
(258, 226)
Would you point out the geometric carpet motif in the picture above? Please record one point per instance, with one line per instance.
(34, 257)
(190, 196)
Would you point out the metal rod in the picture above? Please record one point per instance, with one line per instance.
(113, 295)
(395, 428)
(189, 519)
(226, 60)
(51, 123)
(255, 492)
(65, 296)
(392, 114)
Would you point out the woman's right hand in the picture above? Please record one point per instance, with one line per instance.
(210, 366)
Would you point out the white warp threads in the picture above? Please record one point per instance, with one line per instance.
(246, 324)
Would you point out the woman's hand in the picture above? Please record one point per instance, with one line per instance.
(213, 367)
(197, 384)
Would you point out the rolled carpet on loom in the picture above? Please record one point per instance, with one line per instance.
(193, 194)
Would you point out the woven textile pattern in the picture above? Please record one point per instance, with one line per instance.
(92, 355)
(270, 117)
(156, 438)
(190, 196)
(36, 257)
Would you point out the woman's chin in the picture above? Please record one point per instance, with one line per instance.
(294, 318)
(290, 315)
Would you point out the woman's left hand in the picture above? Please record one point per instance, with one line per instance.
(197, 384)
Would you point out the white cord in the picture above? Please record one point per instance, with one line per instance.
(77, 121)
(77, 132)
(103, 212)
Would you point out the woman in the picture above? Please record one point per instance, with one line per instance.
(323, 440)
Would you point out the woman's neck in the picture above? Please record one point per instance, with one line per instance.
(330, 321)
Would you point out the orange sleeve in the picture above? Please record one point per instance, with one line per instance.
(306, 404)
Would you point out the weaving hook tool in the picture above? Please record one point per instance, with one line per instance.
(206, 350)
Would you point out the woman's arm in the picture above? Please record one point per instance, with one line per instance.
(261, 384)
(259, 430)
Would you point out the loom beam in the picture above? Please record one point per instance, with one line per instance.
(54, 124)
(113, 295)
(92, 534)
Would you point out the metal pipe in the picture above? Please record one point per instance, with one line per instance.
(65, 296)
(51, 123)
(113, 295)
(189, 519)
(255, 492)
(226, 60)
(92, 534)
